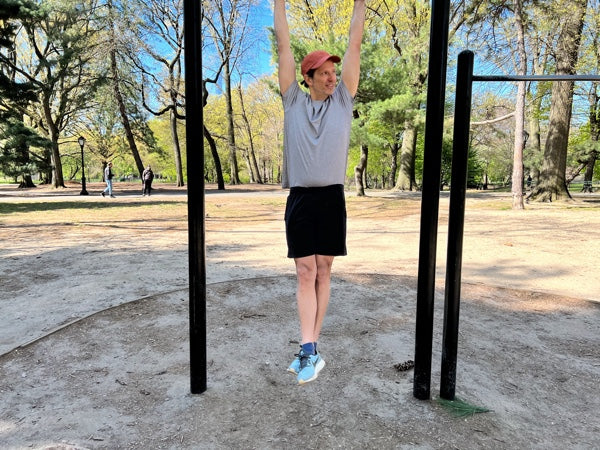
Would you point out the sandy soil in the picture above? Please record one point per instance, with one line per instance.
(94, 346)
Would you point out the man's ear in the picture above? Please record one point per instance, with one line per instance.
(308, 80)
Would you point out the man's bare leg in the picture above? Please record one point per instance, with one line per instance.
(312, 294)
(323, 289)
(306, 296)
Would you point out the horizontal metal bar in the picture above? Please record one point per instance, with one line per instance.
(536, 77)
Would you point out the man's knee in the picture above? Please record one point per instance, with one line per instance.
(324, 264)
(306, 270)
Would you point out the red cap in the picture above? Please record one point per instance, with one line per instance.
(316, 59)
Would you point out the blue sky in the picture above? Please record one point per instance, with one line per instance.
(263, 18)
(256, 62)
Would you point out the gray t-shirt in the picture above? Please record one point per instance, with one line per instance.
(316, 137)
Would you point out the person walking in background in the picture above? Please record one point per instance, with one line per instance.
(147, 177)
(315, 156)
(108, 176)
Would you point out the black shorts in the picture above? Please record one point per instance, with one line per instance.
(315, 221)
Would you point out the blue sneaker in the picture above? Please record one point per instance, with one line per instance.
(295, 365)
(310, 366)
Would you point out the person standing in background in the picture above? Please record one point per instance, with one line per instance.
(108, 176)
(147, 177)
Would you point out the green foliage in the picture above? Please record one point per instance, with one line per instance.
(15, 137)
(583, 149)
(446, 172)
(474, 169)
(16, 141)
(391, 94)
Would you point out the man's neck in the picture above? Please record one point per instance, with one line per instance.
(315, 97)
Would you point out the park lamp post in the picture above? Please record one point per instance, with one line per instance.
(81, 142)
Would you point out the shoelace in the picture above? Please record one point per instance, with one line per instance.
(305, 361)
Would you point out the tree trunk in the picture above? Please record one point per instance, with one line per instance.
(121, 104)
(233, 164)
(519, 143)
(535, 146)
(57, 170)
(552, 185)
(589, 172)
(535, 112)
(360, 170)
(46, 175)
(211, 142)
(213, 150)
(246, 156)
(594, 115)
(26, 181)
(176, 148)
(255, 163)
(406, 177)
(254, 170)
(394, 165)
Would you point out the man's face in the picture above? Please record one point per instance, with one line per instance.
(323, 82)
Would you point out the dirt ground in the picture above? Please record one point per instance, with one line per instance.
(94, 330)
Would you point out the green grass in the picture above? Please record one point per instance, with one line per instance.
(460, 408)
(33, 207)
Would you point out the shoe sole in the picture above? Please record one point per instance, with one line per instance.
(318, 368)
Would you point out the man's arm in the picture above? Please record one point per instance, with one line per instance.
(287, 65)
(351, 64)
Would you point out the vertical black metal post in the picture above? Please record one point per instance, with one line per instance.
(195, 179)
(456, 221)
(436, 92)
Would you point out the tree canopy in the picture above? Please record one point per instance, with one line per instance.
(112, 70)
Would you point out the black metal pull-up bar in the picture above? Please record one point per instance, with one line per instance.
(430, 198)
(195, 182)
(534, 77)
(460, 150)
(460, 156)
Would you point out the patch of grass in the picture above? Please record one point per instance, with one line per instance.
(41, 207)
(38, 212)
(460, 408)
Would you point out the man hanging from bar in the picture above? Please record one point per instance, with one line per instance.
(316, 139)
